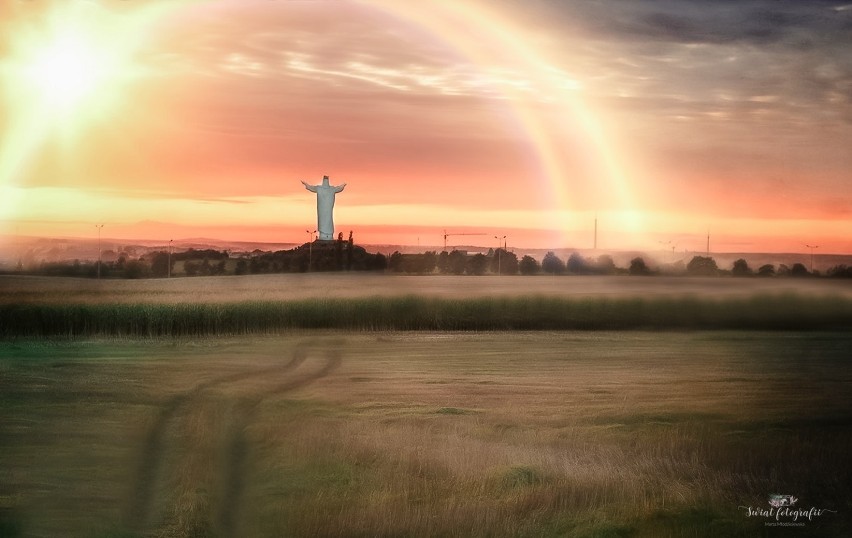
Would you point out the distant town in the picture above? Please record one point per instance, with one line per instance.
(86, 258)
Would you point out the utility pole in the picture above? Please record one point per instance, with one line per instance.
(812, 247)
(708, 241)
(99, 226)
(596, 233)
(170, 259)
(311, 249)
(666, 245)
(498, 251)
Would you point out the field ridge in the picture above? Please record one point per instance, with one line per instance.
(411, 312)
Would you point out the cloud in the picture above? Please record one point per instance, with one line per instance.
(792, 23)
(247, 97)
(696, 21)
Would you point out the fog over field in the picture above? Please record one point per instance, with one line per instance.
(282, 287)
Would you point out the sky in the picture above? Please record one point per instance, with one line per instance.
(662, 121)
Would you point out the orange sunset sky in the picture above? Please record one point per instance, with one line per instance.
(177, 119)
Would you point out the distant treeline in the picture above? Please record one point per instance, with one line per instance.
(504, 262)
(337, 255)
(343, 255)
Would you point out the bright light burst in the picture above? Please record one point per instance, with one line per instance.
(65, 65)
(70, 64)
(70, 70)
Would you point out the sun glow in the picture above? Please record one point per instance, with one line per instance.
(65, 66)
(70, 70)
(72, 64)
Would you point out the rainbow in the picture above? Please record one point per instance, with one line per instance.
(497, 39)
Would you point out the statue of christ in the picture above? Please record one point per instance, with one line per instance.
(325, 206)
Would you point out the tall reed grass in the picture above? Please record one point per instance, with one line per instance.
(764, 312)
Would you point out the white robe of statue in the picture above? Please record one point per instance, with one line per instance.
(325, 206)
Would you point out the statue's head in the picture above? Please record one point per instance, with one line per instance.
(325, 181)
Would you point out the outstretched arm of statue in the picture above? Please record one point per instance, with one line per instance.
(339, 188)
(312, 188)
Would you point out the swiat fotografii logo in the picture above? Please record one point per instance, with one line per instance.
(782, 512)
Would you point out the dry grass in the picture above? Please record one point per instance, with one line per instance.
(387, 434)
(289, 287)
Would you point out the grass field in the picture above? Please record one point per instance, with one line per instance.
(289, 287)
(275, 304)
(327, 433)
(293, 405)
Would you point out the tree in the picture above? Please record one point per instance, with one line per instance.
(191, 268)
(702, 266)
(528, 265)
(242, 267)
(135, 269)
(577, 264)
(605, 265)
(552, 264)
(258, 266)
(741, 268)
(159, 264)
(350, 251)
(799, 270)
(444, 262)
(205, 269)
(395, 262)
(477, 264)
(458, 262)
(428, 262)
(338, 251)
(413, 263)
(509, 263)
(638, 267)
(840, 271)
(504, 262)
(766, 270)
(379, 262)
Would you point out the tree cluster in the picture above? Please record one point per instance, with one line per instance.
(577, 265)
(339, 255)
(344, 255)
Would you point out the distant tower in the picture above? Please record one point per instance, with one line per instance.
(596, 233)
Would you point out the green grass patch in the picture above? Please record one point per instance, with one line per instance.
(452, 411)
(519, 476)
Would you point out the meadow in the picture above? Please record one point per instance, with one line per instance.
(329, 433)
(272, 304)
(296, 286)
(293, 405)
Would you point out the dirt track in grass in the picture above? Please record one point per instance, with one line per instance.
(151, 460)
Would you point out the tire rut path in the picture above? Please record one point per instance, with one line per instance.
(237, 446)
(138, 513)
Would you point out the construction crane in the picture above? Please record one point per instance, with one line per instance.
(446, 235)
